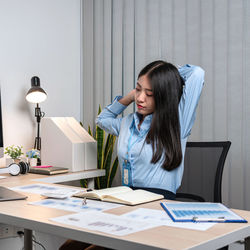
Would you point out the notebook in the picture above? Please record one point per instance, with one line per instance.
(9, 195)
(48, 170)
(122, 195)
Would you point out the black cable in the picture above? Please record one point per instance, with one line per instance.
(21, 233)
(40, 244)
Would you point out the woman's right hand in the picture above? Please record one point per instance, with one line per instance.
(129, 98)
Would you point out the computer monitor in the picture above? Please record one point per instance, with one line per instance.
(1, 130)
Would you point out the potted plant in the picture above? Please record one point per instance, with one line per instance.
(33, 155)
(14, 152)
(105, 149)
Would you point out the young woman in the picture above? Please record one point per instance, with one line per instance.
(152, 141)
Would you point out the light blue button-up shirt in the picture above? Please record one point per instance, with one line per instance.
(144, 173)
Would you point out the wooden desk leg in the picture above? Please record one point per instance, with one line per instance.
(247, 243)
(91, 183)
(27, 239)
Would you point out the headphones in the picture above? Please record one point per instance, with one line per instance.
(16, 168)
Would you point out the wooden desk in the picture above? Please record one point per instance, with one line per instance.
(20, 214)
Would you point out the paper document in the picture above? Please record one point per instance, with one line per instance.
(76, 205)
(161, 218)
(3, 177)
(200, 212)
(103, 222)
(44, 188)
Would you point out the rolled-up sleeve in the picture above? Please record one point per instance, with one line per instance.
(108, 120)
(194, 80)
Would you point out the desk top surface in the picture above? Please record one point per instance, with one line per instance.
(32, 217)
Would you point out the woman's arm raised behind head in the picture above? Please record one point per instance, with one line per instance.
(194, 80)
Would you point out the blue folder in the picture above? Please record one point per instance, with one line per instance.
(200, 212)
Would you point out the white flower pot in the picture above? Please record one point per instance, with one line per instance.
(10, 160)
(33, 162)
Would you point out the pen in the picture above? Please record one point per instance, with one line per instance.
(84, 201)
(204, 219)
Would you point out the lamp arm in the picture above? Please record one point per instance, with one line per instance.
(39, 115)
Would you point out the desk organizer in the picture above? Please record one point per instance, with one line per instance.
(65, 143)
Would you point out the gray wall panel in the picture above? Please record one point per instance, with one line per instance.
(235, 52)
(107, 51)
(207, 60)
(88, 60)
(246, 105)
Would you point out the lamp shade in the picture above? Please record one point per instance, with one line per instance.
(36, 94)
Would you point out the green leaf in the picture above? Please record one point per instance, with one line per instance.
(107, 144)
(99, 109)
(84, 183)
(14, 151)
(112, 172)
(104, 156)
(102, 181)
(108, 156)
(89, 131)
(100, 135)
(107, 164)
(97, 183)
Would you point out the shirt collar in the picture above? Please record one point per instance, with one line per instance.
(145, 126)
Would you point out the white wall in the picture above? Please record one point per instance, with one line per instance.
(40, 38)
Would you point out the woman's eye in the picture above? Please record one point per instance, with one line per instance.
(137, 89)
(149, 95)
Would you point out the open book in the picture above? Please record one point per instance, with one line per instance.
(122, 194)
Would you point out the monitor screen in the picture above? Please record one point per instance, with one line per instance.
(1, 130)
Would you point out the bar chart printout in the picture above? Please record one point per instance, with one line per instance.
(200, 212)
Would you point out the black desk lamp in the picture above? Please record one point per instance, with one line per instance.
(37, 95)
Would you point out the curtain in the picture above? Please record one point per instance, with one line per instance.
(119, 37)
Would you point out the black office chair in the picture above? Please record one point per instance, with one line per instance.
(203, 169)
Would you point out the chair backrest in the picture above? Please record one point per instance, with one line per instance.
(203, 169)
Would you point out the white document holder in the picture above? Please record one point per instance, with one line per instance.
(65, 143)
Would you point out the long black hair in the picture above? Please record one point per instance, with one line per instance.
(164, 134)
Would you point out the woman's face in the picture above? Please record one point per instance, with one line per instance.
(144, 97)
